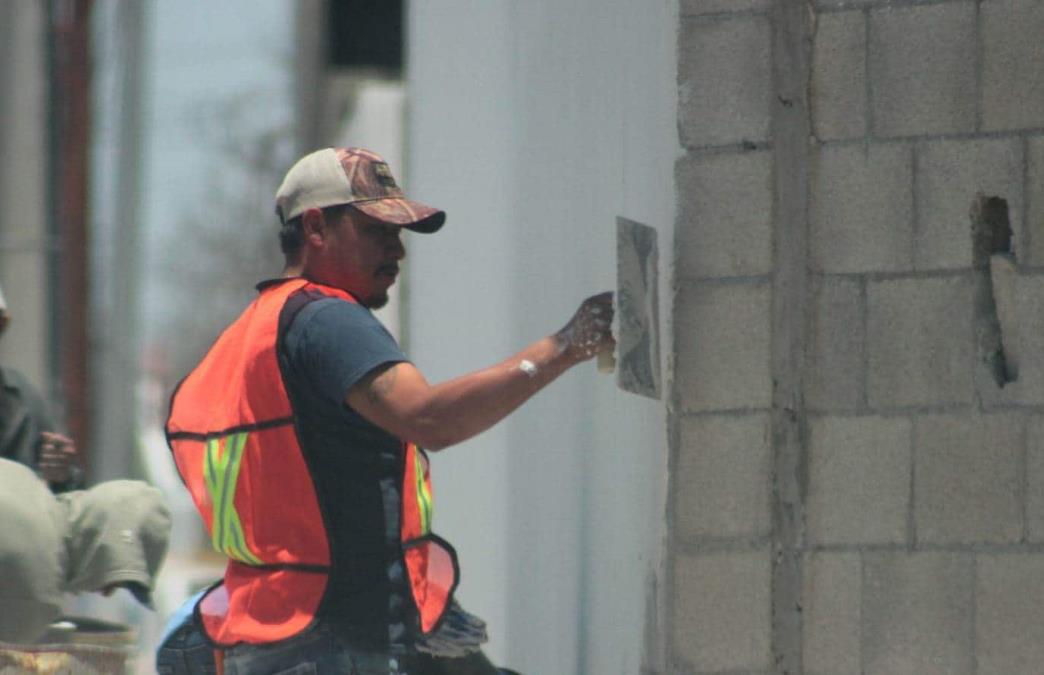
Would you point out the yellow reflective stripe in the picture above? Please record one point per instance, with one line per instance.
(424, 502)
(221, 472)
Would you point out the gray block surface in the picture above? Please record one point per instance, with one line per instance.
(950, 175)
(698, 7)
(722, 347)
(1013, 64)
(843, 4)
(1010, 613)
(832, 614)
(917, 614)
(967, 479)
(1028, 389)
(724, 81)
(1035, 479)
(1033, 253)
(920, 342)
(922, 69)
(722, 484)
(839, 76)
(859, 480)
(836, 372)
(862, 208)
(722, 611)
(724, 215)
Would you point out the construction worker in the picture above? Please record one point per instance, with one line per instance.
(300, 437)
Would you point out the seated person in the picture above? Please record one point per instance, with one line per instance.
(112, 536)
(27, 434)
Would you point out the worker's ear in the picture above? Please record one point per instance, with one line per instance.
(313, 226)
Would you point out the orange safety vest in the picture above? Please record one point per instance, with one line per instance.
(233, 436)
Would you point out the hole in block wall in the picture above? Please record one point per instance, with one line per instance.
(993, 259)
(991, 229)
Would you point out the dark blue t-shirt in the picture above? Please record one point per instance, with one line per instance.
(332, 344)
(325, 347)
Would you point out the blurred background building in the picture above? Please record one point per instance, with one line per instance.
(835, 481)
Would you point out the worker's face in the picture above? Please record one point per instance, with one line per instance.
(361, 255)
(5, 319)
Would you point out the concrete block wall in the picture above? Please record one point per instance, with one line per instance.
(827, 344)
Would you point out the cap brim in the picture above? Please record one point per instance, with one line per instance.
(405, 213)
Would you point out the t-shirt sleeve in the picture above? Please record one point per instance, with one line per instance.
(333, 344)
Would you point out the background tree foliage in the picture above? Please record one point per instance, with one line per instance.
(225, 243)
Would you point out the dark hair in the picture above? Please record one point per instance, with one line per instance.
(291, 235)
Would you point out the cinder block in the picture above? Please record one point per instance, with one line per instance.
(1010, 613)
(949, 176)
(722, 483)
(722, 347)
(843, 4)
(1035, 479)
(917, 613)
(922, 69)
(723, 611)
(725, 215)
(1033, 254)
(1012, 64)
(832, 614)
(839, 76)
(698, 7)
(724, 81)
(836, 373)
(859, 480)
(1028, 389)
(967, 477)
(920, 342)
(862, 208)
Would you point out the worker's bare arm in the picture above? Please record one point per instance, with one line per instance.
(399, 399)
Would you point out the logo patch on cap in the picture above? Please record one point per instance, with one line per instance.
(384, 175)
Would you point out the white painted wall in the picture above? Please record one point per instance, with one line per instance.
(534, 124)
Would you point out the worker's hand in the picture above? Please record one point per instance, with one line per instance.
(590, 330)
(57, 457)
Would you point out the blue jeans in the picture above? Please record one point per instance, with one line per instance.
(314, 652)
(185, 652)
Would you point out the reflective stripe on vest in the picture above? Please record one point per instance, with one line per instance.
(221, 472)
(423, 487)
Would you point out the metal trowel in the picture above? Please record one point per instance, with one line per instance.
(636, 320)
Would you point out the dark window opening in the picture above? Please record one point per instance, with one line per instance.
(365, 34)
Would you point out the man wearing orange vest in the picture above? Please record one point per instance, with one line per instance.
(299, 436)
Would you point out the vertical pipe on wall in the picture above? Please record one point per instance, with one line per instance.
(791, 40)
(69, 41)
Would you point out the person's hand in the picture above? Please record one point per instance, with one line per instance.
(57, 457)
(590, 330)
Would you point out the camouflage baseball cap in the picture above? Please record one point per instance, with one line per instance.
(353, 176)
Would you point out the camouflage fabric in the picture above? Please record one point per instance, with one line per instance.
(375, 192)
